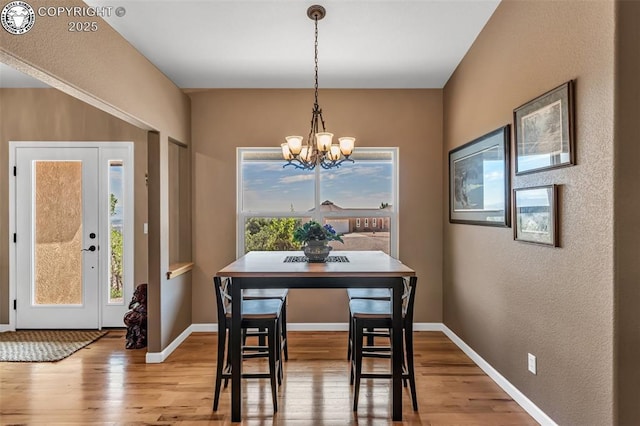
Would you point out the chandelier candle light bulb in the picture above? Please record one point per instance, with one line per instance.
(324, 140)
(304, 154)
(334, 152)
(346, 145)
(286, 153)
(295, 144)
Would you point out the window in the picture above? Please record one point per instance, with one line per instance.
(373, 222)
(273, 201)
(116, 228)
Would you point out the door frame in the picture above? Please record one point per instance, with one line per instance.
(129, 199)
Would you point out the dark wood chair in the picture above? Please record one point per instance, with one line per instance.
(272, 293)
(376, 314)
(366, 293)
(262, 314)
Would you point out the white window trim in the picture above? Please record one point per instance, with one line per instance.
(393, 213)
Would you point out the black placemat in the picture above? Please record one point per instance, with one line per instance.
(292, 259)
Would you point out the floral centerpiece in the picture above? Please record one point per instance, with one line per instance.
(313, 231)
(315, 238)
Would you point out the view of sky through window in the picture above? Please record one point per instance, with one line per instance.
(267, 186)
(362, 185)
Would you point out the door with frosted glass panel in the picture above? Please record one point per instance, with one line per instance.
(58, 241)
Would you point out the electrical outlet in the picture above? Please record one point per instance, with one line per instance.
(532, 363)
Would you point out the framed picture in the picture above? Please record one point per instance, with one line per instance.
(479, 188)
(536, 215)
(544, 131)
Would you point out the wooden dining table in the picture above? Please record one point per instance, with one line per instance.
(289, 269)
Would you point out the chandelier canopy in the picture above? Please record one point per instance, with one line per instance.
(305, 154)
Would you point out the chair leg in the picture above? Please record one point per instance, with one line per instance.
(278, 344)
(351, 349)
(412, 378)
(228, 363)
(370, 336)
(220, 363)
(284, 329)
(350, 341)
(357, 356)
(273, 372)
(404, 361)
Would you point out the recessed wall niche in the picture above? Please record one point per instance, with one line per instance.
(179, 203)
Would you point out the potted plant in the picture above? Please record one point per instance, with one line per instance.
(315, 238)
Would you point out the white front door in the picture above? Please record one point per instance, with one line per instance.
(70, 222)
(57, 238)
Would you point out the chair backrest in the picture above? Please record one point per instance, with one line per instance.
(222, 287)
(408, 299)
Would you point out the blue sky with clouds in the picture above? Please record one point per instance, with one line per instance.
(269, 187)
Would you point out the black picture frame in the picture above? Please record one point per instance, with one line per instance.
(479, 180)
(544, 131)
(535, 215)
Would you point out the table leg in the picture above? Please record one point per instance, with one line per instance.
(396, 353)
(235, 347)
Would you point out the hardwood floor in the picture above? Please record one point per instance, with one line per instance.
(107, 384)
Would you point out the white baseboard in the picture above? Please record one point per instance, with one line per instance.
(158, 357)
(510, 389)
(317, 326)
(204, 327)
(291, 326)
(6, 327)
(427, 326)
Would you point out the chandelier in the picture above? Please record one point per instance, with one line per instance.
(304, 154)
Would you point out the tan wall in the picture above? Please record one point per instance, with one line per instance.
(506, 298)
(50, 115)
(104, 70)
(627, 231)
(225, 119)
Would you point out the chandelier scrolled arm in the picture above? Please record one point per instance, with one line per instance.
(305, 154)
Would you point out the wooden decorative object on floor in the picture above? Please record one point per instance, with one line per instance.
(136, 319)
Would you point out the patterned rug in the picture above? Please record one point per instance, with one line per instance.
(44, 345)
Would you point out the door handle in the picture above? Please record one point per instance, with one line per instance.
(91, 248)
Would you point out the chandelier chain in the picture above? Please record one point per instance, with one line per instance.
(316, 61)
(307, 155)
(317, 112)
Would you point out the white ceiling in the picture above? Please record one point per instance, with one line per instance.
(269, 43)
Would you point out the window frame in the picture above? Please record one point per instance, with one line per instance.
(392, 213)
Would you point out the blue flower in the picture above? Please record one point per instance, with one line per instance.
(312, 230)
